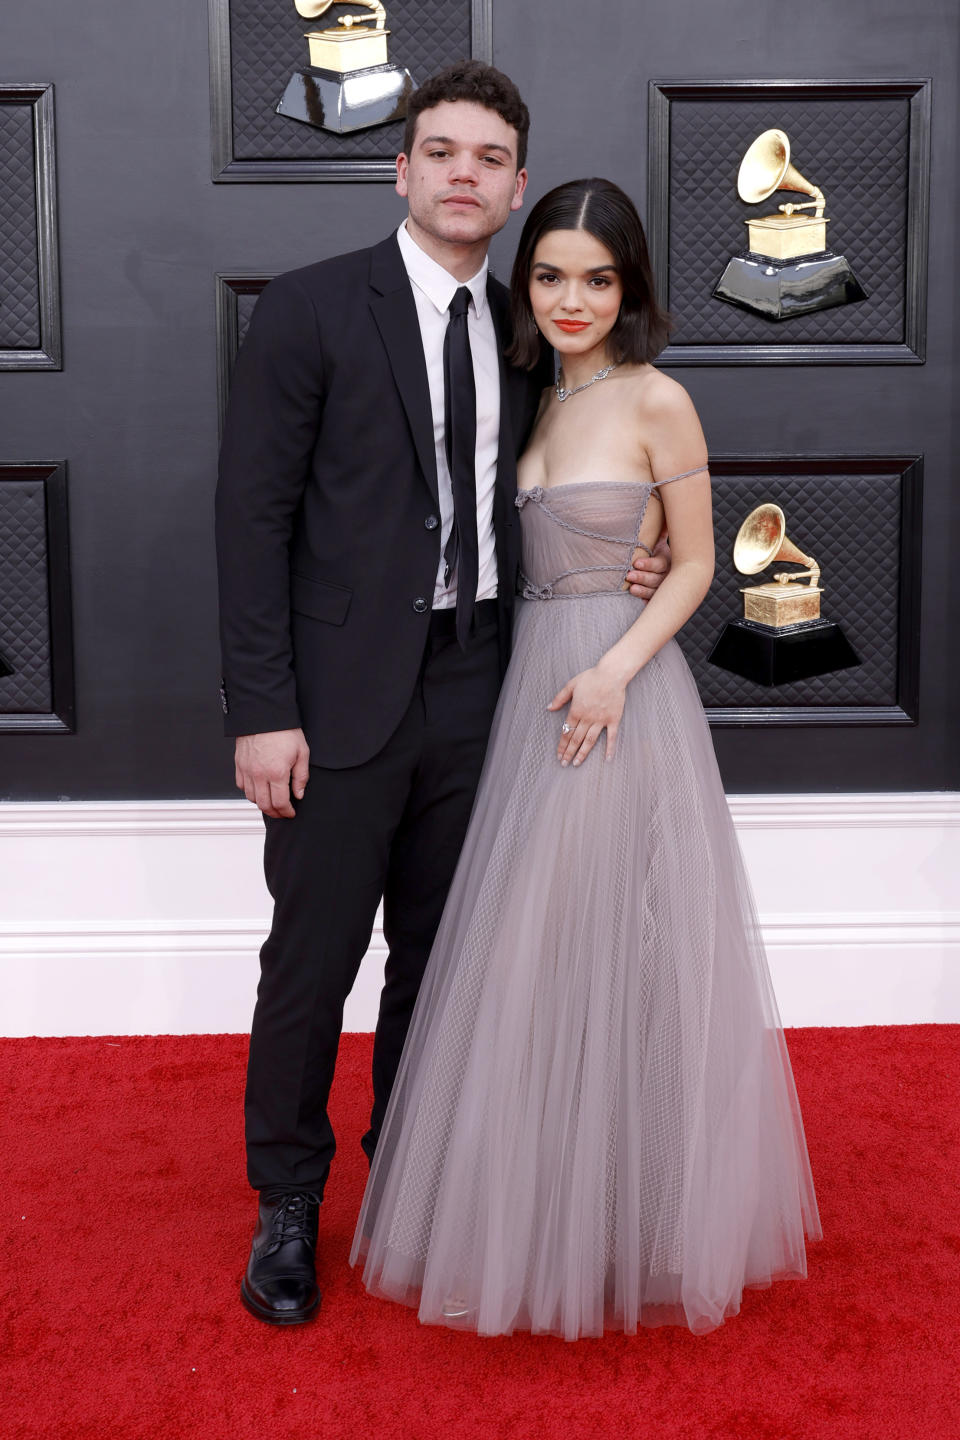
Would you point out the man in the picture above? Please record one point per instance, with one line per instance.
(368, 550)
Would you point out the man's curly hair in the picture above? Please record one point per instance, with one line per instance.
(483, 85)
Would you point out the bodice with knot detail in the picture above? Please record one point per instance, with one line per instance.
(579, 538)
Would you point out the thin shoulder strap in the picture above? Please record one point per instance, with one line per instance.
(670, 478)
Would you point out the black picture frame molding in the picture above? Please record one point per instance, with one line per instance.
(60, 719)
(50, 354)
(229, 287)
(663, 94)
(906, 710)
(227, 169)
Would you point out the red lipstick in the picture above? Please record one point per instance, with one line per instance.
(571, 326)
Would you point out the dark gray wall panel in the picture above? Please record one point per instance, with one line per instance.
(144, 232)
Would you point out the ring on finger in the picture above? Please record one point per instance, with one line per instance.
(565, 729)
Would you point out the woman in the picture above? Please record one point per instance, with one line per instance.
(595, 1122)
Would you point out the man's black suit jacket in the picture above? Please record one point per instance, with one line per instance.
(328, 540)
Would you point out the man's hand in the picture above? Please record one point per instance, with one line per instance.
(268, 766)
(649, 570)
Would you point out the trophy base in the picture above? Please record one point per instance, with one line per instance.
(780, 289)
(776, 605)
(775, 657)
(347, 102)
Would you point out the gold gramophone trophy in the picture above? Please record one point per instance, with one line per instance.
(782, 635)
(787, 268)
(349, 83)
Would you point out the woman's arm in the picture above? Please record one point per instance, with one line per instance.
(596, 697)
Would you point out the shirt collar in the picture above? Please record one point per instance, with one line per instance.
(438, 284)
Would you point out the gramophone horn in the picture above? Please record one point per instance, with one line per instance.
(766, 167)
(311, 9)
(762, 539)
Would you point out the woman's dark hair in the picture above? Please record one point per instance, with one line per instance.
(606, 212)
(471, 80)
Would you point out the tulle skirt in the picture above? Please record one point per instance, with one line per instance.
(594, 1124)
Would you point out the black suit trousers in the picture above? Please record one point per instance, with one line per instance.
(391, 827)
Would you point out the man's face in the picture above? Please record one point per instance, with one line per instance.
(461, 179)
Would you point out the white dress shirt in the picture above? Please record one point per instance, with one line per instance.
(433, 290)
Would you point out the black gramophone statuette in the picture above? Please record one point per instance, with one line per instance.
(349, 83)
(787, 268)
(782, 635)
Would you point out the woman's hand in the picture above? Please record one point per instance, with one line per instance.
(596, 698)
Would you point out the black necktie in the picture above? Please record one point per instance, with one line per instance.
(462, 551)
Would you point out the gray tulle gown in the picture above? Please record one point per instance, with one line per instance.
(595, 1122)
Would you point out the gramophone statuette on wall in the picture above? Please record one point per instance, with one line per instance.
(349, 83)
(787, 268)
(782, 636)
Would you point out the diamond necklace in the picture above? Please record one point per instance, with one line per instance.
(600, 375)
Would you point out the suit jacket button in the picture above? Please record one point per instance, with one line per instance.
(431, 522)
(420, 605)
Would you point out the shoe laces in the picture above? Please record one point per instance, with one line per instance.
(292, 1219)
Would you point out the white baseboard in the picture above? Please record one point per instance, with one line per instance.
(146, 917)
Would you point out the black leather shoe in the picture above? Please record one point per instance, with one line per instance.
(280, 1285)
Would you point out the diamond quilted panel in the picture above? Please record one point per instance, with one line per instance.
(19, 268)
(854, 149)
(24, 612)
(267, 44)
(851, 525)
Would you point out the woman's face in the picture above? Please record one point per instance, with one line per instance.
(575, 291)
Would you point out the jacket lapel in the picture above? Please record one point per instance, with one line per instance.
(395, 313)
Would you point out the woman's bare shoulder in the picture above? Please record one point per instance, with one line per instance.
(669, 424)
(661, 397)
(664, 409)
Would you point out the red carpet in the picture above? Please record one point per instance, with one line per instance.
(126, 1222)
